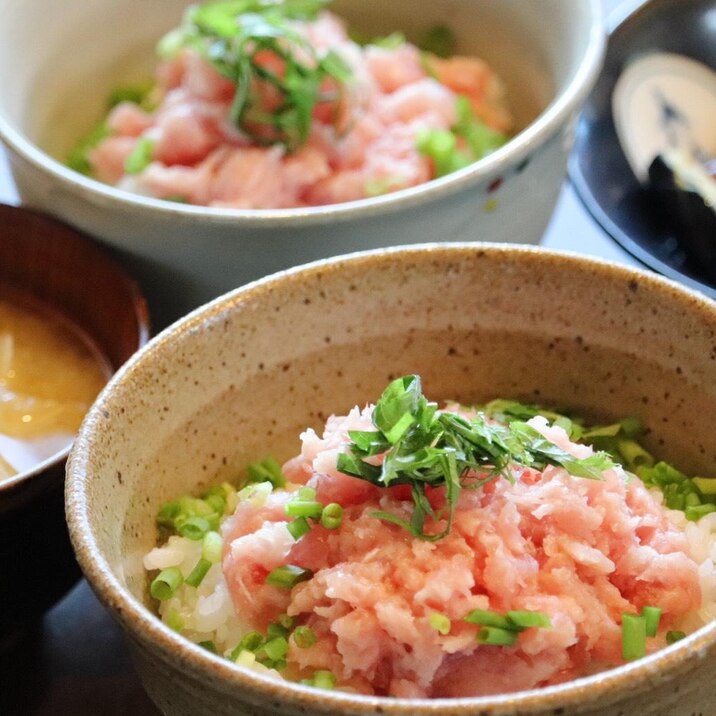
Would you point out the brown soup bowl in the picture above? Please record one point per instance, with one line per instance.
(69, 273)
(243, 376)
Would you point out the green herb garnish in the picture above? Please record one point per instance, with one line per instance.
(141, 156)
(439, 40)
(467, 141)
(78, 157)
(244, 40)
(426, 449)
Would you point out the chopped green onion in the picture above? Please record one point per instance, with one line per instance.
(140, 157)
(633, 637)
(673, 636)
(209, 646)
(212, 547)
(275, 630)
(324, 680)
(634, 454)
(439, 40)
(525, 620)
(276, 648)
(694, 514)
(194, 528)
(251, 641)
(496, 637)
(440, 622)
(169, 513)
(216, 499)
(285, 621)
(488, 618)
(631, 427)
(197, 574)
(692, 500)
(301, 508)
(332, 516)
(388, 42)
(268, 470)
(244, 658)
(306, 493)
(706, 485)
(175, 620)
(288, 576)
(652, 616)
(298, 527)
(304, 637)
(78, 157)
(137, 94)
(166, 583)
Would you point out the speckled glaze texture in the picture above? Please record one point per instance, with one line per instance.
(185, 255)
(242, 376)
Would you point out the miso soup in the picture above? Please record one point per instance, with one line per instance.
(50, 373)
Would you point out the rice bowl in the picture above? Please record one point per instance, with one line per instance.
(638, 344)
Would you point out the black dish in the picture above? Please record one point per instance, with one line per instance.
(598, 168)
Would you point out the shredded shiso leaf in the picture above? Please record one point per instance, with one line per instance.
(426, 449)
(234, 35)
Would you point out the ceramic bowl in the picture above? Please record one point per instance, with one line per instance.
(246, 374)
(185, 255)
(67, 271)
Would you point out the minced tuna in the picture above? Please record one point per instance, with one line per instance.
(377, 609)
(375, 134)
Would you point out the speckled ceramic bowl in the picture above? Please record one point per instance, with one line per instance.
(244, 375)
(548, 52)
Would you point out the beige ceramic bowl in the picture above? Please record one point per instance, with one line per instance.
(241, 378)
(59, 60)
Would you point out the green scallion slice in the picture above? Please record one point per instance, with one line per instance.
(196, 576)
(304, 637)
(332, 516)
(298, 527)
(212, 547)
(324, 680)
(485, 617)
(304, 508)
(496, 637)
(525, 620)
(209, 646)
(194, 528)
(166, 583)
(440, 623)
(652, 616)
(695, 513)
(633, 637)
(288, 576)
(140, 157)
(673, 636)
(276, 648)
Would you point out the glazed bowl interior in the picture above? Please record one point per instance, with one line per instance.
(242, 377)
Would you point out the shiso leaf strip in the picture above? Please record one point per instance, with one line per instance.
(236, 37)
(426, 449)
(695, 496)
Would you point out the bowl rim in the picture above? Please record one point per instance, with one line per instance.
(146, 628)
(517, 149)
(16, 483)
